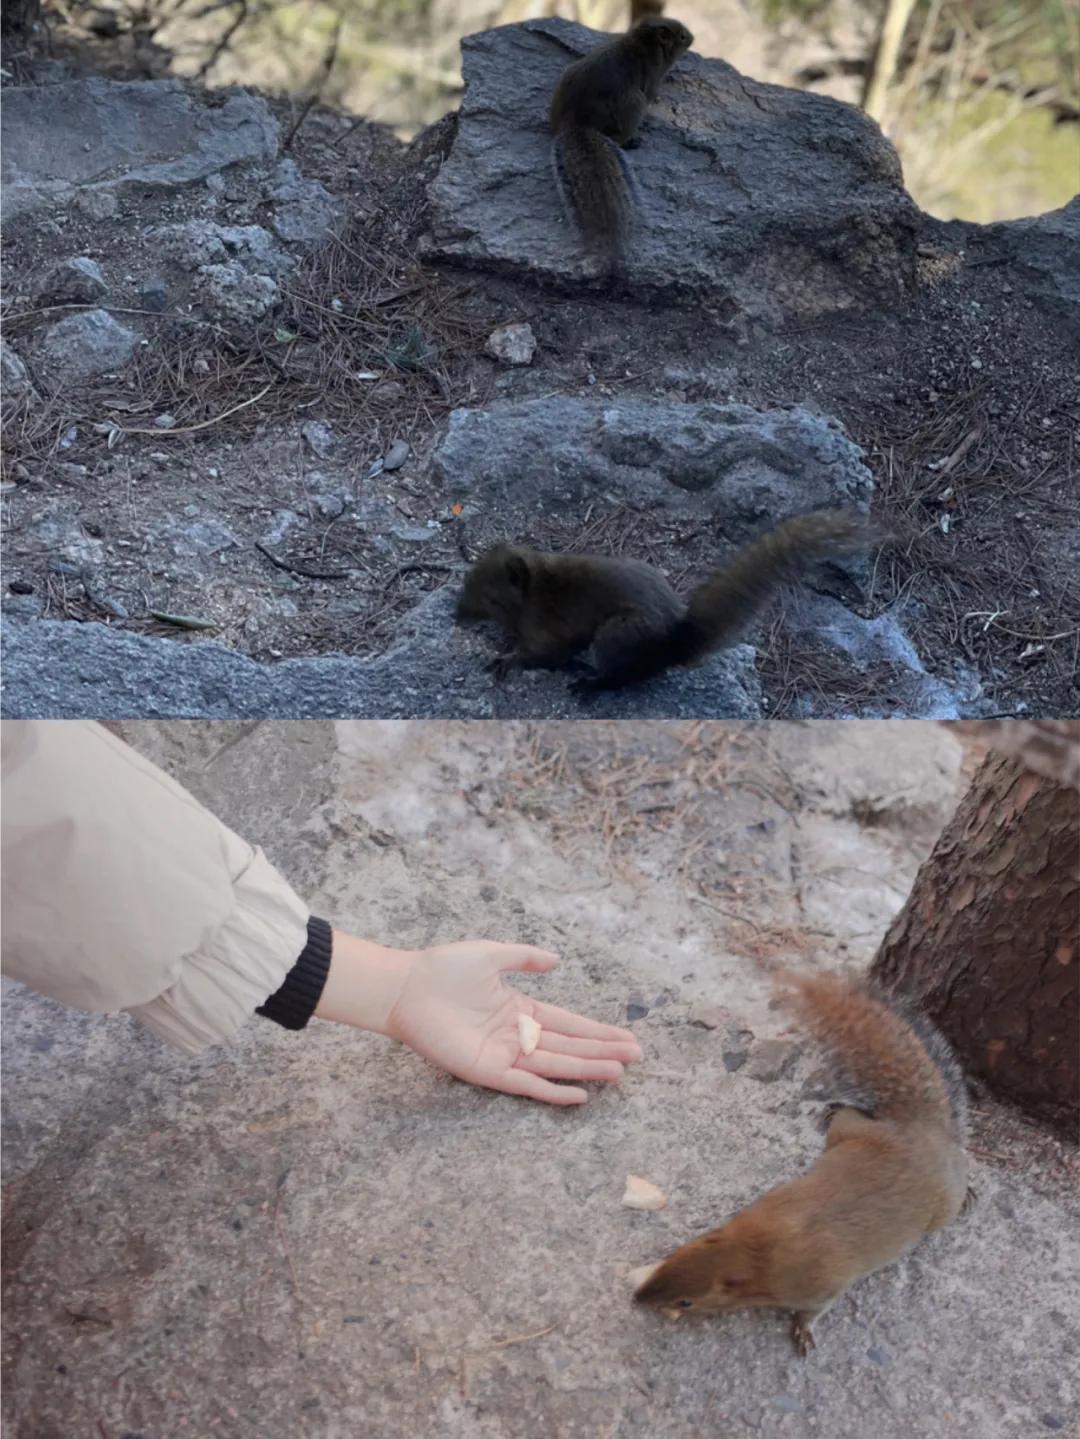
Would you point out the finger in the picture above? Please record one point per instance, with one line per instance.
(524, 957)
(567, 1066)
(625, 1049)
(550, 1016)
(532, 1086)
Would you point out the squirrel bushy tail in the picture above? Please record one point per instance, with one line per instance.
(718, 609)
(597, 189)
(900, 1065)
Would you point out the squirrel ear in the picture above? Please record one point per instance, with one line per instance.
(517, 571)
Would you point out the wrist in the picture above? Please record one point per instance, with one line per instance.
(364, 983)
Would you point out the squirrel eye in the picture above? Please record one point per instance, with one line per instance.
(684, 1304)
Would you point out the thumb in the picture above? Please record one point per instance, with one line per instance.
(524, 958)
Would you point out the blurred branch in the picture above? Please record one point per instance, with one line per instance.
(319, 83)
(883, 66)
(224, 40)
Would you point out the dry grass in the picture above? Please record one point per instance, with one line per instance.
(622, 800)
(361, 307)
(978, 517)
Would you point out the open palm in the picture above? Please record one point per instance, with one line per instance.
(457, 1010)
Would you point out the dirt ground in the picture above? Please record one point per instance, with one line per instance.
(316, 1234)
(964, 400)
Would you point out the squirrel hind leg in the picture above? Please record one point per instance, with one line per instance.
(628, 650)
(802, 1322)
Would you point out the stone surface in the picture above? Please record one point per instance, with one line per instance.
(198, 243)
(774, 202)
(85, 345)
(772, 1059)
(304, 209)
(730, 463)
(1043, 255)
(322, 1234)
(513, 344)
(63, 670)
(230, 294)
(79, 281)
(14, 378)
(97, 136)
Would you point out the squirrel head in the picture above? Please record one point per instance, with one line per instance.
(726, 1269)
(669, 37)
(497, 586)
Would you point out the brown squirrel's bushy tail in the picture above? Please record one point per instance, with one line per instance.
(720, 608)
(900, 1066)
(597, 189)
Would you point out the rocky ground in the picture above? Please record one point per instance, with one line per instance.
(316, 1234)
(268, 386)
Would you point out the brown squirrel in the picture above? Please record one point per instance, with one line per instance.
(557, 606)
(598, 105)
(893, 1170)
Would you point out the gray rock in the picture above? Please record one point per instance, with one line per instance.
(873, 643)
(154, 294)
(98, 204)
(24, 607)
(230, 295)
(145, 133)
(199, 243)
(14, 380)
(708, 1016)
(60, 534)
(198, 538)
(727, 462)
(319, 437)
(280, 525)
(85, 345)
(770, 201)
(396, 455)
(80, 281)
(513, 344)
(415, 534)
(772, 1059)
(54, 668)
(304, 209)
(1044, 256)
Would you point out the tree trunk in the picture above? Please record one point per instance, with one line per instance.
(883, 62)
(988, 942)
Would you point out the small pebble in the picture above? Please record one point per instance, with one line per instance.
(395, 456)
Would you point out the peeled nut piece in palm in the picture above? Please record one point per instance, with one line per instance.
(528, 1033)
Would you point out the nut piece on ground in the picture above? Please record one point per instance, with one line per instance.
(637, 1277)
(640, 1194)
(528, 1033)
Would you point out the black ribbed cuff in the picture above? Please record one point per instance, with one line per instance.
(294, 1003)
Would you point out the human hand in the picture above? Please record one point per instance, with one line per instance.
(456, 1010)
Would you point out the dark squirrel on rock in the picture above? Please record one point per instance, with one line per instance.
(596, 110)
(556, 607)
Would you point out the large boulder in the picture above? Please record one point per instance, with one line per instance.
(94, 136)
(729, 463)
(773, 202)
(59, 670)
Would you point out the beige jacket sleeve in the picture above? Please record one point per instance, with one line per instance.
(121, 892)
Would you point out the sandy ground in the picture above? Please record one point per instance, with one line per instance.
(319, 1235)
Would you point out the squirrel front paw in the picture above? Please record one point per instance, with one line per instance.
(502, 667)
(801, 1335)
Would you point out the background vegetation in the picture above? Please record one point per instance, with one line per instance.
(981, 97)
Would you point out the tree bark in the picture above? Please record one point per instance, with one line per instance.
(883, 64)
(988, 943)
